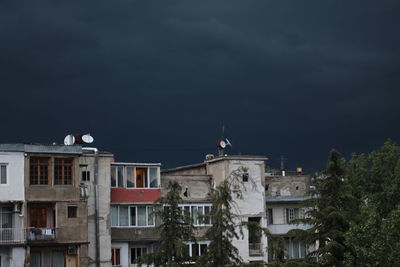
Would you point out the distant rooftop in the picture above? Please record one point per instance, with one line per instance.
(41, 148)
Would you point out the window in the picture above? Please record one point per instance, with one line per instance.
(194, 250)
(72, 211)
(270, 216)
(245, 177)
(136, 253)
(35, 259)
(6, 217)
(292, 214)
(38, 217)
(3, 173)
(115, 257)
(39, 170)
(86, 176)
(134, 177)
(294, 249)
(132, 216)
(200, 214)
(63, 171)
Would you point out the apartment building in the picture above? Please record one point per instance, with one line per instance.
(134, 189)
(199, 180)
(284, 193)
(54, 206)
(12, 198)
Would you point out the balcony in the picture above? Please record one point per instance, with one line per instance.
(12, 235)
(40, 234)
(255, 249)
(282, 229)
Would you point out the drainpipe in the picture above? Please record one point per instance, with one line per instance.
(96, 200)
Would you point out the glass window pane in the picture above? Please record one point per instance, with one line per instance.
(295, 249)
(207, 218)
(133, 255)
(133, 216)
(114, 216)
(141, 216)
(113, 178)
(123, 216)
(35, 259)
(194, 215)
(120, 176)
(200, 214)
(203, 248)
(195, 250)
(141, 177)
(58, 259)
(150, 220)
(3, 174)
(153, 177)
(130, 176)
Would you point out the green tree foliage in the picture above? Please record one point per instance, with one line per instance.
(330, 214)
(374, 234)
(226, 225)
(174, 231)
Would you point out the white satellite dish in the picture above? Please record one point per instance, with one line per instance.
(222, 144)
(87, 138)
(227, 142)
(69, 140)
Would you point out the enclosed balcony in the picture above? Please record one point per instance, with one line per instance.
(40, 234)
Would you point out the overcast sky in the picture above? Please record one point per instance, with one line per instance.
(154, 81)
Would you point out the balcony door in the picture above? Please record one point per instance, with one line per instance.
(38, 217)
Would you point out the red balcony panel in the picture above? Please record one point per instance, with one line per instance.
(120, 195)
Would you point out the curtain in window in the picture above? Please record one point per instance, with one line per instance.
(141, 216)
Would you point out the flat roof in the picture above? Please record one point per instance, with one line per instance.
(41, 148)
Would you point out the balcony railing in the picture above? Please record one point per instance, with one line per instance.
(12, 235)
(41, 234)
(255, 249)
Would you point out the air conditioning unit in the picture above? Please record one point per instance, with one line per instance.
(72, 250)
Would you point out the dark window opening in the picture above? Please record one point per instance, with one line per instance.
(39, 171)
(72, 211)
(245, 177)
(86, 176)
(63, 171)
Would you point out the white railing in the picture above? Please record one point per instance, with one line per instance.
(12, 235)
(255, 249)
(41, 234)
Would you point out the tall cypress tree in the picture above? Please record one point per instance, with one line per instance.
(329, 214)
(175, 229)
(225, 226)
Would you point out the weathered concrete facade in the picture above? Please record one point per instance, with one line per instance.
(284, 195)
(87, 165)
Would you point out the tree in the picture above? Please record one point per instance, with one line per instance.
(175, 229)
(329, 214)
(226, 225)
(374, 235)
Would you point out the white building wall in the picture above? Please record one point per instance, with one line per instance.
(253, 202)
(14, 189)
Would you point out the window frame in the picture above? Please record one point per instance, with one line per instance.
(5, 166)
(124, 181)
(75, 207)
(114, 260)
(149, 213)
(197, 220)
(136, 248)
(38, 165)
(59, 162)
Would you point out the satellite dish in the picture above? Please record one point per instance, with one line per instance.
(69, 140)
(222, 144)
(87, 138)
(227, 142)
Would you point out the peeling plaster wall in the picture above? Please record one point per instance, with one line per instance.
(287, 185)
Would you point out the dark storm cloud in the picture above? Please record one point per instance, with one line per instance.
(155, 80)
